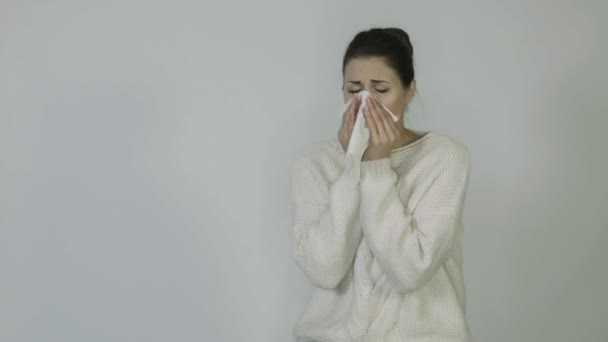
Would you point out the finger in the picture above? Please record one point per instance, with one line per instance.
(389, 125)
(346, 113)
(355, 105)
(357, 102)
(379, 120)
(393, 130)
(371, 123)
(349, 123)
(389, 129)
(344, 123)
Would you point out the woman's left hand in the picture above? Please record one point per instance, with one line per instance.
(382, 129)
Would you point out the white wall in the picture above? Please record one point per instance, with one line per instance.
(145, 150)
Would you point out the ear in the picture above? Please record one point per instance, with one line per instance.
(411, 91)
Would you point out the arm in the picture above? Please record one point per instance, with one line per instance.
(410, 248)
(325, 239)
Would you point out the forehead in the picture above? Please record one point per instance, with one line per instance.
(368, 68)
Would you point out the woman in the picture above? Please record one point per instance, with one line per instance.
(384, 252)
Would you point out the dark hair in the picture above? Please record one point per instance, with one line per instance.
(393, 44)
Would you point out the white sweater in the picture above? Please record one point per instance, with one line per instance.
(384, 254)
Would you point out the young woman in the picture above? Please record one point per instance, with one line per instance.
(383, 252)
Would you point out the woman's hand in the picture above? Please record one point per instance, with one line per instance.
(383, 131)
(348, 122)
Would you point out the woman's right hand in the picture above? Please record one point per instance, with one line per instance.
(348, 122)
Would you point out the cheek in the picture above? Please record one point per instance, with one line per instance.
(392, 103)
(347, 96)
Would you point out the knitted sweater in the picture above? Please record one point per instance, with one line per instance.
(384, 254)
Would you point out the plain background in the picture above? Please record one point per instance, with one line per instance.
(145, 150)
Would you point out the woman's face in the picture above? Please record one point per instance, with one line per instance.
(374, 75)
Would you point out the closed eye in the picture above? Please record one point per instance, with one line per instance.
(378, 90)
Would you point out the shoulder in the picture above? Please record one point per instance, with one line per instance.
(453, 149)
(446, 152)
(451, 154)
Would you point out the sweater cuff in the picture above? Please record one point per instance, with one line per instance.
(377, 168)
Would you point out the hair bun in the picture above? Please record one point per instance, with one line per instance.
(403, 37)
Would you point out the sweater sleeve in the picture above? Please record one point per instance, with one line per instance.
(325, 235)
(410, 248)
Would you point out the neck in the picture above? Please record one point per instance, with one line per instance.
(406, 137)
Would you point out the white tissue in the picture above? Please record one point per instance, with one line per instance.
(359, 140)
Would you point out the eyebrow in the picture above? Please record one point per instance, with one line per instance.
(373, 81)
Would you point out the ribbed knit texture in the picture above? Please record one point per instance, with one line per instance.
(384, 254)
